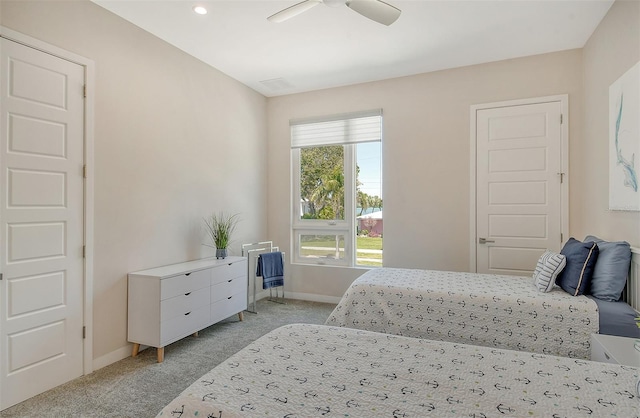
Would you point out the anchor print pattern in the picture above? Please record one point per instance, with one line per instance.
(480, 309)
(326, 374)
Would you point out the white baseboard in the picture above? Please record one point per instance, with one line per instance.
(112, 357)
(302, 296)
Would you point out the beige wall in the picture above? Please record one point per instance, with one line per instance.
(612, 49)
(174, 140)
(425, 155)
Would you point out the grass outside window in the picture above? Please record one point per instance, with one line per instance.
(369, 250)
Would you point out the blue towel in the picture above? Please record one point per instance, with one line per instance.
(271, 268)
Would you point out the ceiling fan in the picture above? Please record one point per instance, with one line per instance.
(376, 10)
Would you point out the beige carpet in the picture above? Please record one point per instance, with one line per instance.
(140, 387)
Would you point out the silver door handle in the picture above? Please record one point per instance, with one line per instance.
(484, 240)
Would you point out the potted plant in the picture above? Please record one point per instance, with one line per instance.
(219, 227)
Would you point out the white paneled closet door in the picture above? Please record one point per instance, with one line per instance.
(41, 222)
(520, 179)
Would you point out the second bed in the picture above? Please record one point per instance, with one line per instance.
(482, 309)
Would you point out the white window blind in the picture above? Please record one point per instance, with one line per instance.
(350, 128)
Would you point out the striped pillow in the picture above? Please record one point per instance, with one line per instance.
(549, 266)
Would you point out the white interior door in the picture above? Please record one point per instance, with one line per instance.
(41, 222)
(519, 181)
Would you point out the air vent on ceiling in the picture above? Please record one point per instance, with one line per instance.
(277, 84)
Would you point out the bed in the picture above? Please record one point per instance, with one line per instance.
(491, 310)
(305, 370)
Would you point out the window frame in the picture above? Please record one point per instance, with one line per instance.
(346, 227)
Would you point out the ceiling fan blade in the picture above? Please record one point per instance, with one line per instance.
(292, 11)
(376, 10)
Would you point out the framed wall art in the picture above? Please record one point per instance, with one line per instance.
(624, 141)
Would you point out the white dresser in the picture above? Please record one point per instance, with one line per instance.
(171, 302)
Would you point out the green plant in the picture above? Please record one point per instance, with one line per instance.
(219, 227)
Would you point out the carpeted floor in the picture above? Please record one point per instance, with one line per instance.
(140, 387)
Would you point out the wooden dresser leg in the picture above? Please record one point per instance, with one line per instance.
(136, 349)
(195, 334)
(241, 316)
(160, 354)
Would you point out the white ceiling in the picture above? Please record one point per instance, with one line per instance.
(335, 46)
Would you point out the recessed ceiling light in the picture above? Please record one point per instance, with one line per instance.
(200, 10)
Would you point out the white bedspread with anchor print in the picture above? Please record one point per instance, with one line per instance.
(304, 371)
(481, 309)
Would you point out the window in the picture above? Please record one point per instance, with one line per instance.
(337, 196)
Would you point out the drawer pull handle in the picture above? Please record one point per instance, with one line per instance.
(230, 263)
(607, 356)
(229, 281)
(187, 294)
(229, 297)
(187, 313)
(186, 274)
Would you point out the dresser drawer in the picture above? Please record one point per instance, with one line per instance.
(182, 325)
(228, 288)
(226, 307)
(184, 283)
(179, 305)
(229, 271)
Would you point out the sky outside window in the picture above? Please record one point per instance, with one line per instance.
(369, 162)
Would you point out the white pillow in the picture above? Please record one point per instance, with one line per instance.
(549, 266)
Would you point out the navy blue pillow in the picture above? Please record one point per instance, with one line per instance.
(611, 270)
(581, 261)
